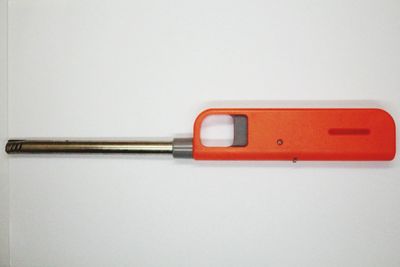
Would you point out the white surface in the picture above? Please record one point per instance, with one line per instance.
(146, 68)
(217, 131)
(4, 182)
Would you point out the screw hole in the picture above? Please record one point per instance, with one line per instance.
(279, 142)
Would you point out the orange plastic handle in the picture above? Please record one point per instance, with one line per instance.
(305, 134)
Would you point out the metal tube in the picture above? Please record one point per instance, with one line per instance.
(134, 147)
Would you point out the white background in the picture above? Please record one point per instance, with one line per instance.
(86, 68)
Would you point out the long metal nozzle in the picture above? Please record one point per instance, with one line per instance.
(180, 147)
(33, 146)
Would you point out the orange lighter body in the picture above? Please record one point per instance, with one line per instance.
(303, 134)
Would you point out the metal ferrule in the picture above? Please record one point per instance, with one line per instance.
(182, 148)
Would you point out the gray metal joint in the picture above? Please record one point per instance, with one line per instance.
(182, 148)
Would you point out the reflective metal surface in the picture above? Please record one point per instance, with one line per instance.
(182, 148)
(47, 146)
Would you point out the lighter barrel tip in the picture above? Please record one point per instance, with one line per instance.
(13, 146)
